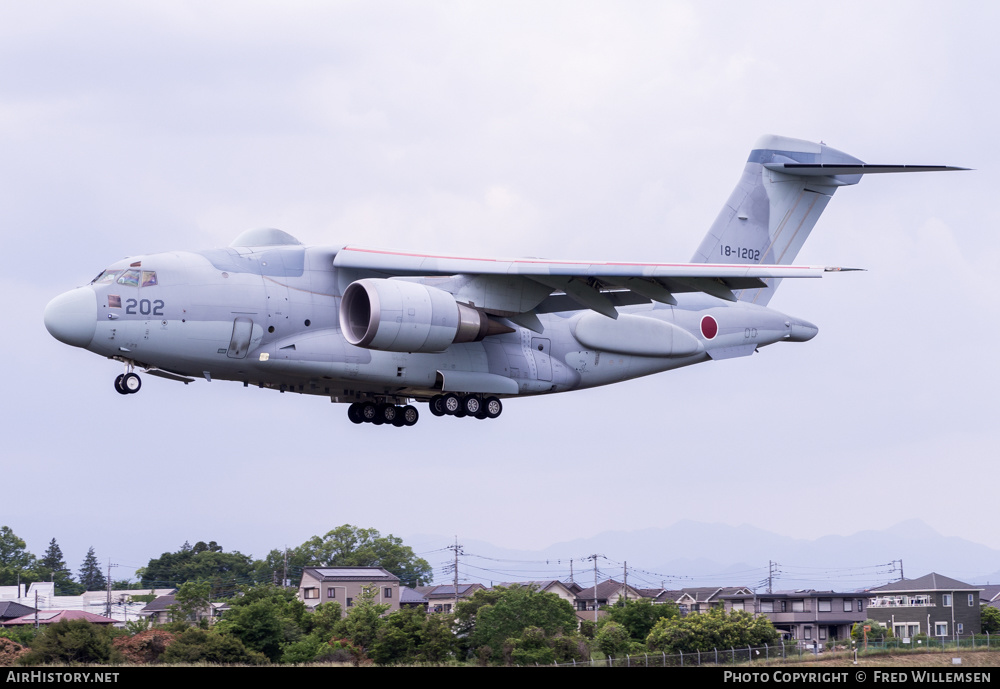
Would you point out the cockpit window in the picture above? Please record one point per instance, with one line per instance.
(148, 278)
(105, 278)
(130, 278)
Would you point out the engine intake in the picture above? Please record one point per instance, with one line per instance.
(401, 316)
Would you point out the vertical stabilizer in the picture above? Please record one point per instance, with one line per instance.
(770, 213)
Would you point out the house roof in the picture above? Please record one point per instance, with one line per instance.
(159, 604)
(447, 590)
(408, 596)
(53, 616)
(605, 590)
(991, 593)
(350, 574)
(928, 582)
(10, 609)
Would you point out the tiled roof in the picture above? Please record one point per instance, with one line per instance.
(928, 582)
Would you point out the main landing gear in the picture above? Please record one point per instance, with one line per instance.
(128, 383)
(379, 414)
(469, 405)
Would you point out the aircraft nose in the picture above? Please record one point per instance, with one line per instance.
(801, 331)
(71, 317)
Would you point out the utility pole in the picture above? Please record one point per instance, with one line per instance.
(457, 549)
(107, 608)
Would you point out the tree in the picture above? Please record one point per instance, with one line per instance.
(54, 567)
(201, 562)
(990, 619)
(716, 629)
(365, 618)
(17, 565)
(351, 546)
(491, 618)
(91, 577)
(70, 641)
(199, 645)
(265, 619)
(639, 616)
(192, 601)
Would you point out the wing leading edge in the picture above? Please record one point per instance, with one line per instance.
(509, 287)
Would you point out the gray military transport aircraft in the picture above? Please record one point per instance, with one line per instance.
(377, 329)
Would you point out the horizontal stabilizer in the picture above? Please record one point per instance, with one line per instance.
(827, 169)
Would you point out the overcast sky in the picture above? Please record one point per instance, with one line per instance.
(609, 130)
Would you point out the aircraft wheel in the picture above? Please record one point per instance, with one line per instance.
(118, 385)
(399, 421)
(493, 407)
(354, 413)
(452, 404)
(368, 411)
(472, 405)
(436, 405)
(131, 383)
(481, 414)
(387, 413)
(410, 415)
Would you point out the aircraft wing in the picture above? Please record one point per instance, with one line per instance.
(516, 286)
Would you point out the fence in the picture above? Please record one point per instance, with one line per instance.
(789, 651)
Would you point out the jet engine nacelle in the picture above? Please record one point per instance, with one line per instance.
(401, 316)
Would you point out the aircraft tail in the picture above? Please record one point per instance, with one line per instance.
(785, 187)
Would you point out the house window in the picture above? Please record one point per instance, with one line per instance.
(331, 592)
(737, 605)
(822, 633)
(825, 605)
(784, 608)
(959, 627)
(798, 606)
(767, 606)
(940, 629)
(388, 592)
(946, 600)
(971, 598)
(848, 605)
(807, 633)
(350, 602)
(310, 593)
(860, 605)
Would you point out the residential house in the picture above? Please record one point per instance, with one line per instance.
(588, 602)
(701, 599)
(933, 604)
(53, 616)
(345, 584)
(10, 610)
(442, 597)
(160, 611)
(808, 616)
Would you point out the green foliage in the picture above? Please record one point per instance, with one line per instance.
(531, 648)
(203, 562)
(613, 639)
(91, 577)
(351, 546)
(877, 631)
(196, 645)
(264, 619)
(498, 618)
(365, 618)
(138, 625)
(716, 629)
(323, 620)
(639, 616)
(192, 602)
(70, 641)
(17, 565)
(989, 619)
(53, 567)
